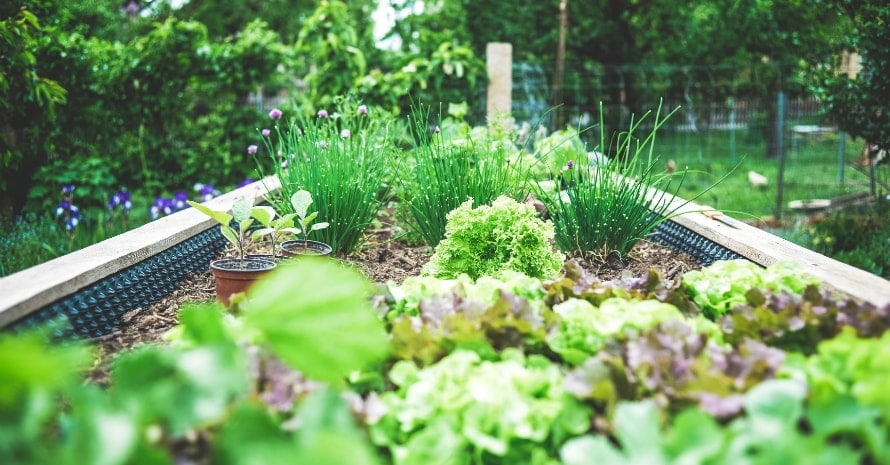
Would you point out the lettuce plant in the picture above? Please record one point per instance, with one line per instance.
(489, 239)
(725, 284)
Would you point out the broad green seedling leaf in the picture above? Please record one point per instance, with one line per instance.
(315, 315)
(264, 214)
(301, 201)
(223, 218)
(241, 209)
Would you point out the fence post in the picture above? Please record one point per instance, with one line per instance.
(780, 142)
(499, 61)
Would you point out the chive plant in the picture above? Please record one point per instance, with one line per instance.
(441, 174)
(339, 158)
(608, 207)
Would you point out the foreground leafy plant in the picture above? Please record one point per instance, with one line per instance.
(163, 398)
(488, 240)
(466, 410)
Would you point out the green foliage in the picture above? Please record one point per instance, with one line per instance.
(608, 207)
(29, 240)
(448, 168)
(491, 239)
(340, 159)
(334, 61)
(858, 104)
(859, 237)
(28, 100)
(718, 288)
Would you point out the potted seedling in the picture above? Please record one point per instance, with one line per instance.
(274, 227)
(235, 274)
(301, 200)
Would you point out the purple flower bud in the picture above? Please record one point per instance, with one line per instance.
(68, 189)
(275, 113)
(265, 132)
(362, 109)
(345, 133)
(570, 164)
(322, 113)
(251, 149)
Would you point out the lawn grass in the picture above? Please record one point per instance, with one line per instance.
(811, 170)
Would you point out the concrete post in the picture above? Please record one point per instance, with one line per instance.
(499, 58)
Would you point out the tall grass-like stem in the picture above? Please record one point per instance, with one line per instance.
(608, 208)
(440, 175)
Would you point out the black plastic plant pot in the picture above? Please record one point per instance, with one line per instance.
(303, 248)
(265, 256)
(233, 275)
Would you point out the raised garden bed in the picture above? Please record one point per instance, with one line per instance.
(554, 393)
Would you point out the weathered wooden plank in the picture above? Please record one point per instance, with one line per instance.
(37, 287)
(765, 249)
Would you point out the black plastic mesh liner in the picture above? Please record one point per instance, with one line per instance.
(96, 310)
(680, 239)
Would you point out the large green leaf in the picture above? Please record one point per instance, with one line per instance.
(316, 316)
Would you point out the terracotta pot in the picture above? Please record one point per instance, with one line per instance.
(302, 248)
(233, 275)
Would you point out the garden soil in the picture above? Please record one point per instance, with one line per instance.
(382, 259)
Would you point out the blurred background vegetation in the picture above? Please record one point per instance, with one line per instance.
(156, 95)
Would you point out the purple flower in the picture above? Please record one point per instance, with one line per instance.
(64, 207)
(345, 133)
(251, 149)
(275, 113)
(206, 191)
(67, 190)
(179, 201)
(162, 206)
(265, 132)
(322, 113)
(570, 164)
(362, 109)
(245, 182)
(120, 199)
